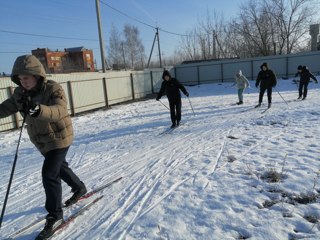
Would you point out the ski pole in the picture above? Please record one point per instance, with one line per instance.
(12, 172)
(191, 106)
(282, 97)
(163, 104)
(296, 81)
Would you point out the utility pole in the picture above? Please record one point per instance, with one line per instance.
(151, 50)
(103, 62)
(159, 48)
(156, 36)
(103, 59)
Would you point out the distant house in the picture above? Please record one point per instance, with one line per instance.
(76, 59)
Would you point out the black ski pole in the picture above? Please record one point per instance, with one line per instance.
(12, 172)
(164, 105)
(282, 97)
(191, 106)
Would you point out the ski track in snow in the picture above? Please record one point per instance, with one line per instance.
(153, 166)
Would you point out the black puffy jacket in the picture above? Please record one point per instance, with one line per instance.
(171, 89)
(266, 79)
(305, 75)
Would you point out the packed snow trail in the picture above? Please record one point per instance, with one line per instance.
(180, 179)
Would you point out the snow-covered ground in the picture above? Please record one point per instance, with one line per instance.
(208, 179)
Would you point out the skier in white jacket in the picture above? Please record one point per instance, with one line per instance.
(242, 83)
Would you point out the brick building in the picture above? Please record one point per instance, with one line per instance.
(76, 59)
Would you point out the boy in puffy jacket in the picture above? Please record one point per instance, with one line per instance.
(305, 76)
(43, 105)
(171, 87)
(266, 80)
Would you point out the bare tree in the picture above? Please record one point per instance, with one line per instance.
(133, 47)
(261, 28)
(115, 47)
(292, 19)
(271, 27)
(209, 40)
(188, 48)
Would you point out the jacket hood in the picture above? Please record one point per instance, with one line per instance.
(264, 64)
(166, 73)
(27, 65)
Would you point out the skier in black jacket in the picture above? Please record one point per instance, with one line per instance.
(305, 76)
(267, 80)
(171, 87)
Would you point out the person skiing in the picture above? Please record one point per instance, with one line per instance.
(267, 80)
(242, 82)
(171, 87)
(43, 105)
(305, 76)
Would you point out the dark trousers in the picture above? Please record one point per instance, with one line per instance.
(175, 111)
(303, 86)
(54, 169)
(269, 93)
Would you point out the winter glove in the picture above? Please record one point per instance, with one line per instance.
(157, 98)
(34, 112)
(257, 85)
(27, 104)
(187, 94)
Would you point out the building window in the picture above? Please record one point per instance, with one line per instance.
(88, 57)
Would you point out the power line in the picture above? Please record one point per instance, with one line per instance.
(146, 24)
(181, 35)
(47, 36)
(135, 19)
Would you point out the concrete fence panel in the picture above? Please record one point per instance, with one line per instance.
(188, 75)
(210, 74)
(141, 84)
(87, 95)
(119, 89)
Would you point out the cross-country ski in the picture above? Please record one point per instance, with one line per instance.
(42, 220)
(72, 217)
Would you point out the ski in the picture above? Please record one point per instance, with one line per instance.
(42, 220)
(248, 109)
(73, 216)
(98, 189)
(169, 130)
(265, 110)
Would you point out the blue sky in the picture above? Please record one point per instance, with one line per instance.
(59, 20)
